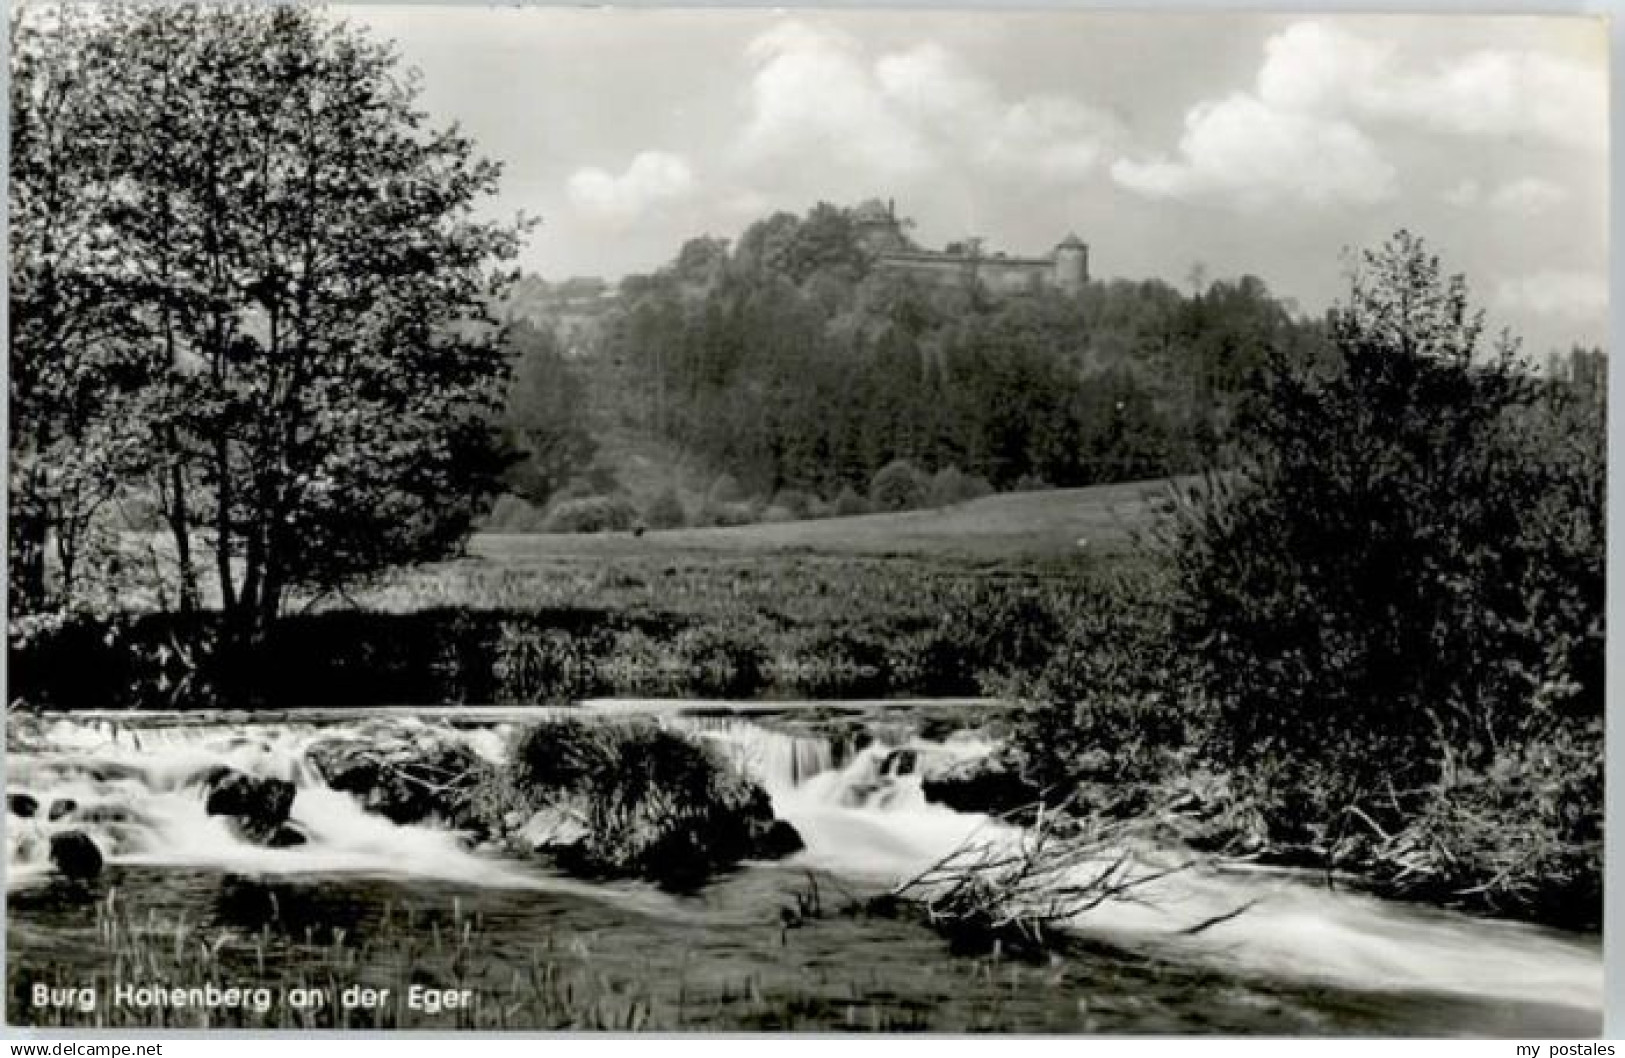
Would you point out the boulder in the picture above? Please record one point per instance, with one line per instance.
(61, 808)
(287, 836)
(900, 762)
(75, 855)
(779, 840)
(550, 830)
(256, 806)
(104, 771)
(100, 813)
(402, 781)
(22, 805)
(991, 785)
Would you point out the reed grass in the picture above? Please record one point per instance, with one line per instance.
(552, 986)
(404, 949)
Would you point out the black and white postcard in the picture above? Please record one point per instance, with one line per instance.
(666, 520)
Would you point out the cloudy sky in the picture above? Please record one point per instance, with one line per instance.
(1173, 145)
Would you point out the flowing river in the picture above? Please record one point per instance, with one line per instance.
(1302, 958)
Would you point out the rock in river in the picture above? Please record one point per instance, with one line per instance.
(287, 836)
(987, 784)
(75, 855)
(779, 840)
(257, 806)
(404, 781)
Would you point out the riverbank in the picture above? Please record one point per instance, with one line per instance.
(764, 944)
(1108, 719)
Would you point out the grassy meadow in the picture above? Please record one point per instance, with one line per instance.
(784, 565)
(1044, 524)
(954, 601)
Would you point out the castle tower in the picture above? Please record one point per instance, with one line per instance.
(1071, 265)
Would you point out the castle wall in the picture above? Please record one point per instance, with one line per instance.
(1067, 269)
(1000, 275)
(940, 269)
(1009, 276)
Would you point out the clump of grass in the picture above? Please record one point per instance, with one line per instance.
(647, 802)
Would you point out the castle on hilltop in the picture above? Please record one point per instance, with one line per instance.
(965, 263)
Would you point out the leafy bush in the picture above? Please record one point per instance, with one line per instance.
(593, 514)
(1402, 584)
(898, 486)
(513, 514)
(666, 511)
(726, 661)
(952, 485)
(1379, 635)
(832, 663)
(1001, 629)
(725, 489)
(723, 515)
(532, 665)
(797, 503)
(1521, 836)
(1357, 590)
(1106, 706)
(849, 503)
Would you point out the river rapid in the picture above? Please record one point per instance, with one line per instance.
(1302, 958)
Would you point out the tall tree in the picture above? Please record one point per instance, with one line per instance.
(75, 354)
(545, 421)
(304, 251)
(1356, 588)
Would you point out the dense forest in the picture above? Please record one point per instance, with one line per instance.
(795, 378)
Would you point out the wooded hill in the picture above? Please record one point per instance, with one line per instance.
(781, 376)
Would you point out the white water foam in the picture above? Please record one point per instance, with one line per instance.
(867, 819)
(136, 792)
(862, 813)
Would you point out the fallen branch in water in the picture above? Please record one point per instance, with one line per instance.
(1008, 893)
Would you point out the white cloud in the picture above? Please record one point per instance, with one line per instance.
(906, 113)
(1305, 130)
(1519, 95)
(1465, 195)
(1525, 197)
(1528, 196)
(1555, 293)
(1498, 93)
(1319, 69)
(651, 179)
(1245, 152)
(813, 95)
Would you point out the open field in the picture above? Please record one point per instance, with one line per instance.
(947, 602)
(1048, 524)
(834, 569)
(943, 602)
(1057, 528)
